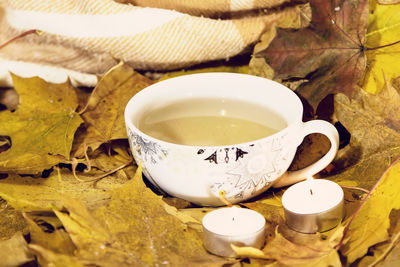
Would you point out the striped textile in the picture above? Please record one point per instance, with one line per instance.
(82, 38)
(208, 8)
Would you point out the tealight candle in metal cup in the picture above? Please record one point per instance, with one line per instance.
(233, 225)
(314, 205)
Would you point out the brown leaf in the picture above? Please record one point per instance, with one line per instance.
(258, 65)
(290, 248)
(328, 52)
(313, 147)
(303, 250)
(374, 124)
(104, 114)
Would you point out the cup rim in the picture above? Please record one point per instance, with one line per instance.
(131, 127)
(165, 143)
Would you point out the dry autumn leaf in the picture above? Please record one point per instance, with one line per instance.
(57, 240)
(258, 65)
(383, 30)
(133, 229)
(329, 52)
(41, 129)
(100, 159)
(44, 194)
(104, 113)
(290, 248)
(370, 225)
(373, 122)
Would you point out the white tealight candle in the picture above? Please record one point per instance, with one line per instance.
(314, 205)
(238, 226)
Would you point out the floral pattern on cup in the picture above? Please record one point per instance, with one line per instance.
(248, 177)
(146, 149)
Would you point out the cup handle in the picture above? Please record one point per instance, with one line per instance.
(314, 126)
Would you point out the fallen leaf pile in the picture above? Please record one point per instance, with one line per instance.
(72, 195)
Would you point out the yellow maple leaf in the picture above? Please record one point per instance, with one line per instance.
(383, 29)
(371, 224)
(42, 128)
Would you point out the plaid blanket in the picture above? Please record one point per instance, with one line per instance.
(82, 38)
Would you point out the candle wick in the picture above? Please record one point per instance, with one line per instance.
(233, 218)
(311, 191)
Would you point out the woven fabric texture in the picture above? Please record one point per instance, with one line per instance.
(82, 38)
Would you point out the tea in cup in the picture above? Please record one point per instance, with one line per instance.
(198, 134)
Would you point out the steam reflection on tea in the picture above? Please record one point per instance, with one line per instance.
(210, 122)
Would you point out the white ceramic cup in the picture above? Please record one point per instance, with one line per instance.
(198, 173)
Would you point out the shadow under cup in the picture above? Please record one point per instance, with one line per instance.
(244, 170)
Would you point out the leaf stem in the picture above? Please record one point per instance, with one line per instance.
(346, 229)
(382, 46)
(355, 188)
(85, 149)
(19, 36)
(94, 179)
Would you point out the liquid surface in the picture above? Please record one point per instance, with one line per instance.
(210, 122)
